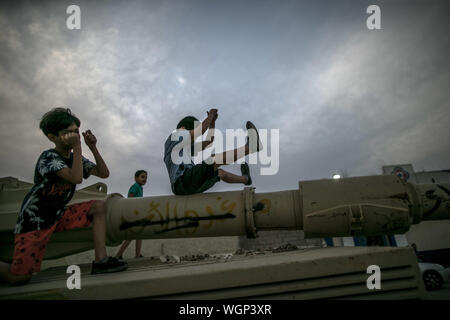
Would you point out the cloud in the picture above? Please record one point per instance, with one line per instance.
(343, 97)
(379, 98)
(181, 80)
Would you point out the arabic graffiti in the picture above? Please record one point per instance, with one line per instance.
(167, 217)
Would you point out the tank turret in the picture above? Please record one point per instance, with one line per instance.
(372, 205)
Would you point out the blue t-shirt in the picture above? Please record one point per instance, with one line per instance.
(176, 170)
(45, 203)
(136, 190)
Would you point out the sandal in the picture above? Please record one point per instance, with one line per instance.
(254, 136)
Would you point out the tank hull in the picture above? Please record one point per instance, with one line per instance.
(327, 273)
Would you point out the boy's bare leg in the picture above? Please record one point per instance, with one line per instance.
(7, 276)
(122, 249)
(231, 178)
(98, 211)
(138, 248)
(221, 159)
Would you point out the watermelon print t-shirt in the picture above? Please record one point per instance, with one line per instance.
(45, 203)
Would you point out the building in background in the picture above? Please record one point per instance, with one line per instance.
(407, 173)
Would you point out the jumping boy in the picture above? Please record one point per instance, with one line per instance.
(189, 178)
(135, 191)
(44, 209)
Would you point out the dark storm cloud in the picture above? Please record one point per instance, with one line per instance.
(344, 97)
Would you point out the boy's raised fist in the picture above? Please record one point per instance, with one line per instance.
(72, 139)
(213, 113)
(89, 138)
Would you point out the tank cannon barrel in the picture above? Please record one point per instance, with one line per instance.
(371, 205)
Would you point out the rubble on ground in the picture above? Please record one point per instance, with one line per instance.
(224, 257)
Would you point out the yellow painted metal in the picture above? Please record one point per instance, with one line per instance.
(200, 215)
(325, 273)
(356, 206)
(372, 205)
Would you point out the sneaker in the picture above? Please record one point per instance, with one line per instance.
(254, 144)
(110, 265)
(245, 171)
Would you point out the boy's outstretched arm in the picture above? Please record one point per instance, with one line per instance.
(205, 144)
(75, 174)
(210, 136)
(101, 169)
(212, 116)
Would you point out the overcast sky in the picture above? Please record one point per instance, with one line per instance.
(344, 98)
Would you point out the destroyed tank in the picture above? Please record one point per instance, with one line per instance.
(371, 205)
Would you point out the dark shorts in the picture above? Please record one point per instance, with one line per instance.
(29, 247)
(196, 179)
